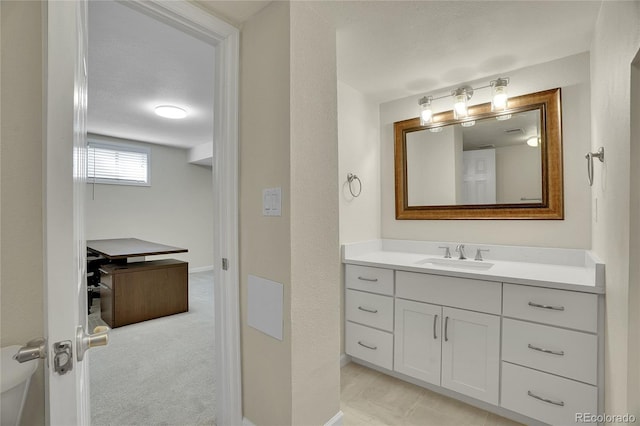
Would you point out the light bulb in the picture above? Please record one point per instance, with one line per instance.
(426, 114)
(500, 98)
(533, 141)
(460, 106)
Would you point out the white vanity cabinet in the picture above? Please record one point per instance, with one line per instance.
(369, 314)
(454, 348)
(549, 370)
(521, 339)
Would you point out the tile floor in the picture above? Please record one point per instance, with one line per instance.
(375, 399)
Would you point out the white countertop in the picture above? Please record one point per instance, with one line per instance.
(565, 269)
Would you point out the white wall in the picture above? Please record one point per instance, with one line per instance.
(288, 138)
(615, 44)
(430, 177)
(177, 209)
(572, 75)
(518, 173)
(21, 248)
(359, 153)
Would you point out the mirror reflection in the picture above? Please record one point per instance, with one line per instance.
(495, 160)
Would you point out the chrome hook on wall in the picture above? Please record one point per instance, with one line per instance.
(590, 155)
(350, 178)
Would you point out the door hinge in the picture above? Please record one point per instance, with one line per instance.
(225, 263)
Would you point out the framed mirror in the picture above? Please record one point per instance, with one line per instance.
(505, 165)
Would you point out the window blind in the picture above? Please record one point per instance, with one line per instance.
(118, 164)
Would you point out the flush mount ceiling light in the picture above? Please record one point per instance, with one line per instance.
(533, 141)
(461, 97)
(170, 111)
(503, 117)
(468, 123)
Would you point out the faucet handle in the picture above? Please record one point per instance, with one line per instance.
(479, 254)
(447, 253)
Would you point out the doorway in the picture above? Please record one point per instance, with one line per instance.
(66, 37)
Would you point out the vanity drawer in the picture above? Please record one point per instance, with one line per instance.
(575, 353)
(465, 293)
(370, 345)
(524, 389)
(564, 308)
(375, 280)
(369, 309)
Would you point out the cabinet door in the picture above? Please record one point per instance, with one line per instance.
(471, 354)
(417, 340)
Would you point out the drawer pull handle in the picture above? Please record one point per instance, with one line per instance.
(373, 311)
(103, 271)
(546, 351)
(373, 348)
(533, 395)
(373, 280)
(555, 308)
(435, 321)
(446, 329)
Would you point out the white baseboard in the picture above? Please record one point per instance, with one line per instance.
(201, 269)
(344, 360)
(335, 420)
(247, 422)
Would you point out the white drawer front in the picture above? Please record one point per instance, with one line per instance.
(369, 309)
(524, 391)
(549, 306)
(375, 280)
(475, 295)
(566, 353)
(370, 345)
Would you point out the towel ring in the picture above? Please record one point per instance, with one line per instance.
(350, 178)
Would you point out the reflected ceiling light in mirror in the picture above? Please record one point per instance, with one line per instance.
(426, 114)
(503, 117)
(170, 111)
(533, 141)
(499, 96)
(468, 123)
(435, 129)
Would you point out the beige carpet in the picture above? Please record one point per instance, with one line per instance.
(158, 372)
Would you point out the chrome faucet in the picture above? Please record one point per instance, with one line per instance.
(460, 251)
(447, 253)
(479, 254)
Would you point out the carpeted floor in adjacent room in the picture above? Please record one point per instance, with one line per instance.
(158, 372)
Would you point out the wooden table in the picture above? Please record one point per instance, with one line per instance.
(139, 291)
(124, 248)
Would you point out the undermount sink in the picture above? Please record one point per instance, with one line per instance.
(457, 263)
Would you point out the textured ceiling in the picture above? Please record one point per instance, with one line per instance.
(136, 63)
(392, 49)
(386, 50)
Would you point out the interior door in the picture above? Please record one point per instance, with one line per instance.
(65, 155)
(479, 176)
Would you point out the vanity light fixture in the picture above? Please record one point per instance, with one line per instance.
(426, 114)
(461, 97)
(499, 97)
(435, 129)
(503, 117)
(170, 111)
(468, 123)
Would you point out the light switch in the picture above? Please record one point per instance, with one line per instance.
(272, 202)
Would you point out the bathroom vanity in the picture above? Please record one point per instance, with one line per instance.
(519, 333)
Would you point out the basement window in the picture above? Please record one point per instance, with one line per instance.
(118, 164)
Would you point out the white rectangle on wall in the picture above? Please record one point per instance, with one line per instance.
(265, 306)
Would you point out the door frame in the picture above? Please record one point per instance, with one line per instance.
(59, 196)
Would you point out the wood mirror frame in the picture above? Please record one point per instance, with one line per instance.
(551, 207)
